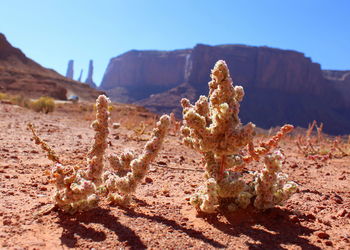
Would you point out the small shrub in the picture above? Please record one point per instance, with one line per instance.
(43, 104)
(212, 127)
(80, 187)
(3, 96)
(319, 148)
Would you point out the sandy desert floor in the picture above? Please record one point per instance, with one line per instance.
(316, 217)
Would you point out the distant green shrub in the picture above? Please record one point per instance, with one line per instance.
(43, 104)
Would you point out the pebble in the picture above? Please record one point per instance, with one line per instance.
(337, 199)
(7, 222)
(294, 165)
(322, 235)
(311, 217)
(148, 180)
(162, 163)
(328, 243)
(294, 218)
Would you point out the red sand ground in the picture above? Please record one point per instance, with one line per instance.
(317, 217)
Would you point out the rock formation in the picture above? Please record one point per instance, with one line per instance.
(282, 86)
(21, 75)
(89, 79)
(341, 81)
(142, 73)
(70, 69)
(80, 75)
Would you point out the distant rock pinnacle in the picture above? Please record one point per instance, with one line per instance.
(81, 74)
(70, 69)
(89, 79)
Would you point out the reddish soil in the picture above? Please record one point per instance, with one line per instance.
(317, 217)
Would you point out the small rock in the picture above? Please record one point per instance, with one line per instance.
(116, 125)
(42, 188)
(342, 178)
(294, 218)
(162, 163)
(7, 176)
(322, 235)
(7, 222)
(328, 243)
(294, 165)
(148, 180)
(182, 158)
(311, 217)
(337, 199)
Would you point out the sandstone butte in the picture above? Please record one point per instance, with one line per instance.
(282, 86)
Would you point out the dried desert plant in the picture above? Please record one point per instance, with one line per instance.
(130, 170)
(174, 125)
(76, 186)
(213, 128)
(318, 148)
(79, 188)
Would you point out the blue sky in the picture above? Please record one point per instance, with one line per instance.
(52, 32)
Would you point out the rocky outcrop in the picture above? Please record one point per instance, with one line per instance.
(70, 69)
(89, 79)
(142, 73)
(341, 81)
(80, 75)
(21, 75)
(168, 101)
(281, 85)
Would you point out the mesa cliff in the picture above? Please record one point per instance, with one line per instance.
(21, 75)
(282, 86)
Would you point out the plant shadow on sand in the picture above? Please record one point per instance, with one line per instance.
(175, 226)
(76, 225)
(271, 229)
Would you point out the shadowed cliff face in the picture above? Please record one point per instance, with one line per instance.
(142, 73)
(21, 75)
(341, 81)
(281, 85)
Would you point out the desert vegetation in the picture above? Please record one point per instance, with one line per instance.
(125, 183)
(213, 128)
(318, 147)
(43, 104)
(78, 188)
